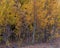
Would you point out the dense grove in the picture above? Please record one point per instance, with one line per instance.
(33, 20)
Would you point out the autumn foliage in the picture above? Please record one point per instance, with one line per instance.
(25, 19)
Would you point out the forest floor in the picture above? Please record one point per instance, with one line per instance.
(56, 44)
(42, 46)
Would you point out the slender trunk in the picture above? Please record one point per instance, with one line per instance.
(35, 15)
